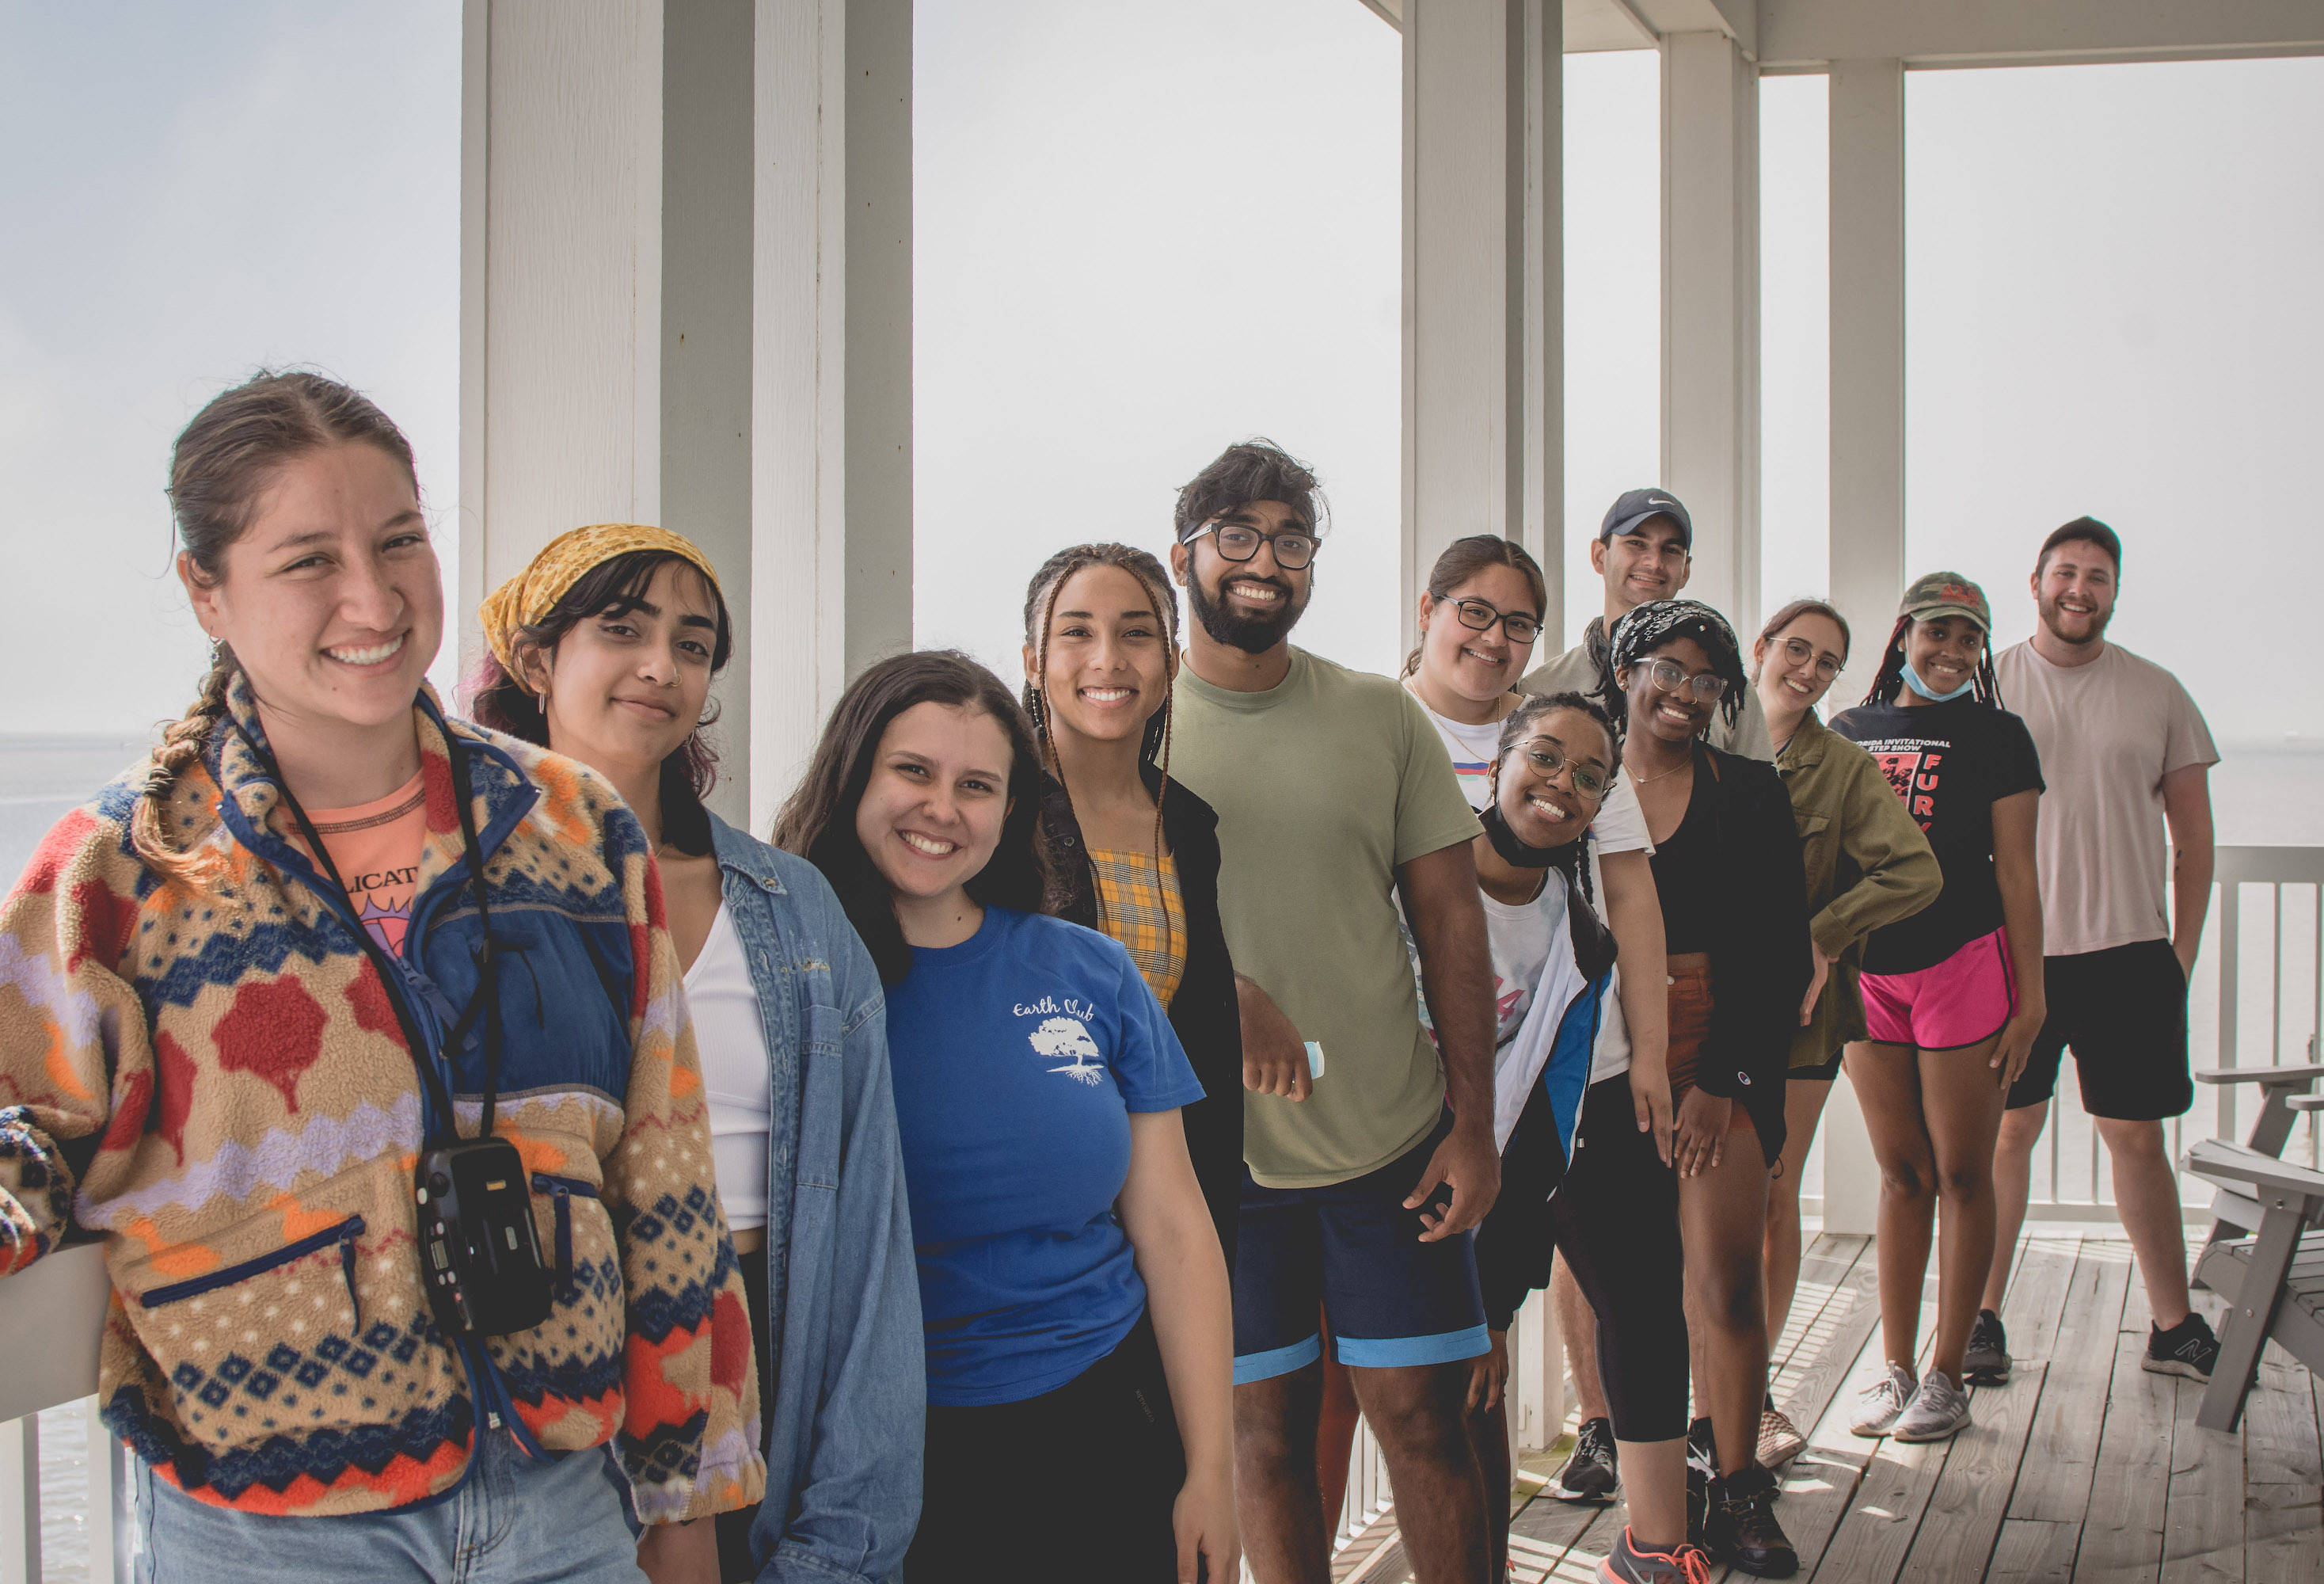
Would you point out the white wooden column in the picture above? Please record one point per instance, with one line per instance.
(1868, 463)
(832, 368)
(560, 301)
(686, 300)
(1484, 279)
(1711, 312)
(1868, 349)
(606, 294)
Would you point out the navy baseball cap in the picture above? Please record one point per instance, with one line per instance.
(1638, 505)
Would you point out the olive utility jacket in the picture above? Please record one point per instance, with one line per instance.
(1867, 866)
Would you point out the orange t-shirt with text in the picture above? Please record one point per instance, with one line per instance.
(375, 847)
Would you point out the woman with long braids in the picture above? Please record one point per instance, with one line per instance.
(356, 1036)
(1734, 904)
(1137, 854)
(1584, 1171)
(1868, 864)
(1478, 617)
(1953, 995)
(603, 649)
(1080, 1346)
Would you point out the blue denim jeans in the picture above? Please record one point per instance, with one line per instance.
(512, 1521)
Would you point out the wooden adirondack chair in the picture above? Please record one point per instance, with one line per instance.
(2263, 1259)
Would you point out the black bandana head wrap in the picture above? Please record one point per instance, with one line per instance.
(1649, 626)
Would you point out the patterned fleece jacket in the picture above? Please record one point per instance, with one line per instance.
(208, 1076)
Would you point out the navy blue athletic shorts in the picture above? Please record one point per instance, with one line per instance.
(1353, 1251)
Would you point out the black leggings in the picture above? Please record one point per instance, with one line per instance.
(1073, 1485)
(734, 1528)
(1615, 1218)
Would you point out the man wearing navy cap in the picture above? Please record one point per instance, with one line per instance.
(1643, 551)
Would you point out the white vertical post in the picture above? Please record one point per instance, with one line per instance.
(606, 291)
(1867, 533)
(1851, 1177)
(831, 415)
(708, 104)
(1484, 281)
(106, 1494)
(1543, 518)
(565, 202)
(20, 1500)
(1536, 1408)
(1868, 349)
(1465, 266)
(1711, 312)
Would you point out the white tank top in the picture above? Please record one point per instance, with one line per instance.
(735, 1071)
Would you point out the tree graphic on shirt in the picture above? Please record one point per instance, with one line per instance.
(1065, 1036)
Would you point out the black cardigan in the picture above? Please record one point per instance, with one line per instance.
(1759, 961)
(1205, 1012)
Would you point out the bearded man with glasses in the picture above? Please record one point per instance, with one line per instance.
(1335, 799)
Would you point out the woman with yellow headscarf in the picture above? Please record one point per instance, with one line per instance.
(603, 650)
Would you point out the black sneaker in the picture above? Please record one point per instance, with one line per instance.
(1701, 1468)
(1987, 1362)
(1590, 1474)
(2187, 1349)
(1629, 1565)
(1742, 1527)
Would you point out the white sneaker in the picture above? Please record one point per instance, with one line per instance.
(1881, 1402)
(1938, 1410)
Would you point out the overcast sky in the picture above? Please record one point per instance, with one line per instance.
(1146, 231)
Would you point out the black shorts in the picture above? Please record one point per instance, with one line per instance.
(1821, 1072)
(2124, 1011)
(1076, 1484)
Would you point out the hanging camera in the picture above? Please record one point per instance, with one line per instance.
(479, 1252)
(480, 1257)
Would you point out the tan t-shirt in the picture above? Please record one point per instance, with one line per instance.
(1323, 786)
(2108, 733)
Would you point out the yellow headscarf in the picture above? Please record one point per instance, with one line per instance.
(529, 595)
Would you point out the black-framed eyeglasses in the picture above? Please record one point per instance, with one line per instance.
(1238, 543)
(1476, 613)
(1547, 757)
(1798, 649)
(1670, 677)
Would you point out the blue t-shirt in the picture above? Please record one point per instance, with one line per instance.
(1018, 1056)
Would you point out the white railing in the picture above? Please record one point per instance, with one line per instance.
(51, 1317)
(2256, 1000)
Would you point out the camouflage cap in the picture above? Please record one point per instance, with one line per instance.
(1946, 593)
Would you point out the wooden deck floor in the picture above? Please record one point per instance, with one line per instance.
(2083, 1467)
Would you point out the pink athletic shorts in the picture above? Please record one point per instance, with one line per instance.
(1962, 1001)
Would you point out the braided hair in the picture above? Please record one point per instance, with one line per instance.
(1985, 685)
(1648, 628)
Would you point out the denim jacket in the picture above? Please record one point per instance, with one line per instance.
(851, 1384)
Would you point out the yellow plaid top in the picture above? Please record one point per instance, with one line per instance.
(1147, 917)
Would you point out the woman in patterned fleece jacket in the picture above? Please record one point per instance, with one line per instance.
(200, 1064)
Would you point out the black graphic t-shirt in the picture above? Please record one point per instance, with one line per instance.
(1950, 764)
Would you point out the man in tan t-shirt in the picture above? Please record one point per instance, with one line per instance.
(2124, 752)
(1335, 799)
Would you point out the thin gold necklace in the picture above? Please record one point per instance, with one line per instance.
(1641, 780)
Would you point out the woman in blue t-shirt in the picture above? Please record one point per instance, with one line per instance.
(1071, 1288)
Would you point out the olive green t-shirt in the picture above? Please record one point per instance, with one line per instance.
(1323, 786)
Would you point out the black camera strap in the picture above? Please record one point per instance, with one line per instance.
(487, 999)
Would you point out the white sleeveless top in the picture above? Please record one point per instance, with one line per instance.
(735, 1071)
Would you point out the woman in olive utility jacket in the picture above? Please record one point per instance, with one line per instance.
(1868, 864)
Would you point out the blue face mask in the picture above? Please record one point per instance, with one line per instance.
(1913, 681)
